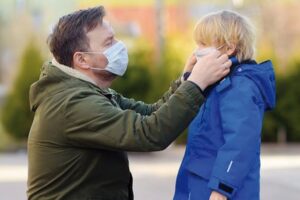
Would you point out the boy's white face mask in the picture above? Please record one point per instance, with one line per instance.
(117, 57)
(200, 53)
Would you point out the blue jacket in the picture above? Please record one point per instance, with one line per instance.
(223, 149)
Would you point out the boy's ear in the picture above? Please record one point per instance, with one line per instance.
(230, 49)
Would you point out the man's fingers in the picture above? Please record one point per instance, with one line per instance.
(215, 54)
(227, 64)
(225, 72)
(193, 59)
(223, 58)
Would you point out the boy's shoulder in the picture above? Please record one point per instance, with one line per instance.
(248, 74)
(241, 75)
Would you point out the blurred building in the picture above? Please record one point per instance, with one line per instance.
(22, 20)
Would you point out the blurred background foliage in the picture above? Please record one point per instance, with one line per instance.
(156, 58)
(16, 116)
(136, 83)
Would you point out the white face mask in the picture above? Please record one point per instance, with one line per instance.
(117, 56)
(200, 53)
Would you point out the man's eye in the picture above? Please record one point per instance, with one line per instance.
(108, 44)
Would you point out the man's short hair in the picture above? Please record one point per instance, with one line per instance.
(69, 34)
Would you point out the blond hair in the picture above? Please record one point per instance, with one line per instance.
(225, 28)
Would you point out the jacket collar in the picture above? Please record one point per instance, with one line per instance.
(225, 82)
(72, 72)
(77, 74)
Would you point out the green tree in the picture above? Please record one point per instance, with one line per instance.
(288, 107)
(273, 120)
(287, 111)
(16, 116)
(136, 83)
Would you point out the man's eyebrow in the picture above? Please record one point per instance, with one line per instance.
(108, 38)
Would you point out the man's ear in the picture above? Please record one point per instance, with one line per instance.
(230, 49)
(80, 61)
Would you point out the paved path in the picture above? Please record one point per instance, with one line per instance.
(154, 174)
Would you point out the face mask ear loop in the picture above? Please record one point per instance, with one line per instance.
(117, 57)
(220, 47)
(96, 69)
(90, 52)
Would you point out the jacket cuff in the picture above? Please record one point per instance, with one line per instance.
(189, 89)
(221, 187)
(175, 85)
(202, 92)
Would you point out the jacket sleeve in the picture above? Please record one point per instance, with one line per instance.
(92, 121)
(143, 108)
(241, 111)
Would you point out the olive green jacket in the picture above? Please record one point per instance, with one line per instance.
(80, 132)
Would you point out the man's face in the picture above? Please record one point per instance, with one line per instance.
(100, 39)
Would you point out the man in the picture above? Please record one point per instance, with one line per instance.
(81, 128)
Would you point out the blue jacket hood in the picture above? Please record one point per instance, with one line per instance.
(263, 76)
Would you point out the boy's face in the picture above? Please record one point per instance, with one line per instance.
(204, 49)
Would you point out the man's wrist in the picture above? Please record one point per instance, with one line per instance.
(202, 92)
(200, 84)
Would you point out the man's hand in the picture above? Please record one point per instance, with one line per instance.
(217, 196)
(190, 63)
(209, 69)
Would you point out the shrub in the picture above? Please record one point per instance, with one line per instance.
(16, 115)
(287, 111)
(136, 83)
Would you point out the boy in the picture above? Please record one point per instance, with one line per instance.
(222, 158)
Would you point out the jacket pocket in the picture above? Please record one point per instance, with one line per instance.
(201, 166)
